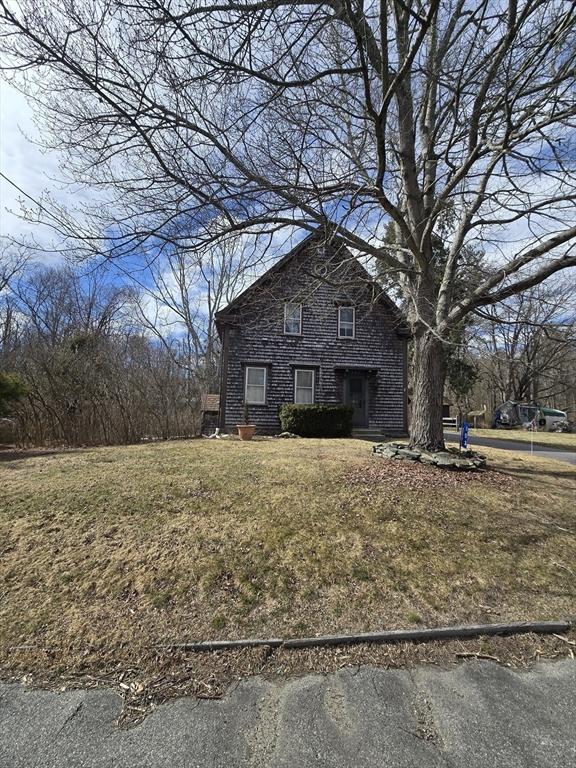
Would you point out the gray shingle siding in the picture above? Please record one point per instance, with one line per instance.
(253, 334)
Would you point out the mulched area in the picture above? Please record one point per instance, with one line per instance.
(164, 675)
(415, 476)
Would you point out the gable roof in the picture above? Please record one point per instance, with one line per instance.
(299, 248)
(276, 267)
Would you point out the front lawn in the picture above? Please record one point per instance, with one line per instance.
(107, 552)
(564, 441)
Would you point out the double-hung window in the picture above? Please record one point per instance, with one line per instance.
(303, 386)
(255, 386)
(292, 318)
(346, 322)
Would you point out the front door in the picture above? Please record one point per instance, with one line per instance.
(356, 395)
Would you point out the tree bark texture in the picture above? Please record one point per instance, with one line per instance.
(429, 373)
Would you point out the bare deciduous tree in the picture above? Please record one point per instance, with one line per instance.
(181, 292)
(250, 115)
(524, 345)
(12, 262)
(91, 375)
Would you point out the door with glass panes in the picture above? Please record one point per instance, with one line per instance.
(356, 395)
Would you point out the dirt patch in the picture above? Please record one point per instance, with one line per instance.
(17, 455)
(383, 472)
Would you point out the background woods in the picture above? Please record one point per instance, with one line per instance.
(113, 355)
(93, 373)
(525, 349)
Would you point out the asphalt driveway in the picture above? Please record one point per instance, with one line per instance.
(477, 715)
(511, 445)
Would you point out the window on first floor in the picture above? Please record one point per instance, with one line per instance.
(255, 386)
(346, 322)
(303, 386)
(292, 318)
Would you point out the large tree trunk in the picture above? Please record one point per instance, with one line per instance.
(429, 373)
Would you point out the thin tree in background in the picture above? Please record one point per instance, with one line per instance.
(526, 346)
(181, 293)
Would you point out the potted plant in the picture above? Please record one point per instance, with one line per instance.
(246, 430)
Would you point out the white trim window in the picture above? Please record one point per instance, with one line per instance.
(346, 322)
(292, 318)
(304, 386)
(255, 386)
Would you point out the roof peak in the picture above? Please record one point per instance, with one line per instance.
(306, 241)
(318, 234)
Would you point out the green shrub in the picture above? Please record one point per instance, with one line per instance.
(317, 420)
(11, 389)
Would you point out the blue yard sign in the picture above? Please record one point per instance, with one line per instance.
(464, 435)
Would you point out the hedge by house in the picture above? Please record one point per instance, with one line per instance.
(317, 420)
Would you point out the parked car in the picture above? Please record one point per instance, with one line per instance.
(512, 415)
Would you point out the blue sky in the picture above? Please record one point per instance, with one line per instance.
(24, 163)
(36, 171)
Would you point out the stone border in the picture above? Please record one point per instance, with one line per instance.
(465, 460)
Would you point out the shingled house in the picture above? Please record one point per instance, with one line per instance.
(315, 328)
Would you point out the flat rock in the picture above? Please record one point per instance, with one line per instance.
(466, 460)
(408, 453)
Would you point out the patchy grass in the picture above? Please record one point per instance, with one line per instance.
(566, 442)
(107, 552)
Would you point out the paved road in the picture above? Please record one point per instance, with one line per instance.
(513, 445)
(477, 715)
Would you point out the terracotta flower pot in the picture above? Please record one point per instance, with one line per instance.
(246, 431)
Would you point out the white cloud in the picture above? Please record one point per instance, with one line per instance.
(25, 164)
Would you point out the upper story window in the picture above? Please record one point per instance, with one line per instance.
(255, 386)
(346, 322)
(303, 386)
(292, 318)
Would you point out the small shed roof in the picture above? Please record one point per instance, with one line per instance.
(211, 402)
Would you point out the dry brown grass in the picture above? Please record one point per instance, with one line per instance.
(564, 441)
(107, 552)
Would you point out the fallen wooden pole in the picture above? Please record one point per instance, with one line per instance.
(390, 636)
(225, 645)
